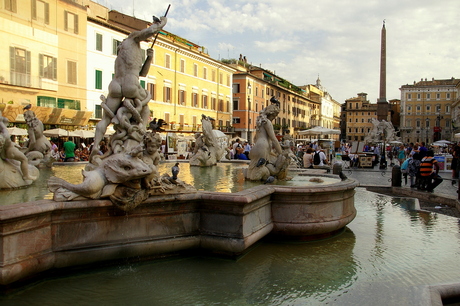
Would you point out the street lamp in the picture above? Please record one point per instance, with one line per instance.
(427, 128)
(249, 111)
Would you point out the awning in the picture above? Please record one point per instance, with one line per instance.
(48, 115)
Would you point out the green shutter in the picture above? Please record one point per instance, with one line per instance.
(98, 84)
(76, 24)
(142, 84)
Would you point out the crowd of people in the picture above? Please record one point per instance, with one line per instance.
(69, 152)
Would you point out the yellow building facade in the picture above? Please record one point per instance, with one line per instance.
(45, 61)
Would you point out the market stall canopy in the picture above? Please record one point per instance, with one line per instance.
(59, 133)
(441, 143)
(319, 130)
(84, 133)
(15, 131)
(457, 135)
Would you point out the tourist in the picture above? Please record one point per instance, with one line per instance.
(69, 149)
(236, 147)
(455, 162)
(320, 161)
(422, 150)
(412, 169)
(247, 149)
(308, 159)
(401, 155)
(429, 170)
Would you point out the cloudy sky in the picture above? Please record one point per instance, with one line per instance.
(337, 40)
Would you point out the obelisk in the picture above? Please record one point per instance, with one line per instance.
(382, 103)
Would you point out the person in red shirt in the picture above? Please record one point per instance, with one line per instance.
(429, 170)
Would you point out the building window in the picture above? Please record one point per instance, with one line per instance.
(20, 66)
(40, 11)
(151, 90)
(236, 88)
(98, 111)
(409, 109)
(221, 105)
(236, 120)
(428, 109)
(10, 5)
(418, 109)
(205, 73)
(205, 102)
(438, 108)
(182, 66)
(221, 78)
(228, 106)
(428, 96)
(195, 70)
(417, 124)
(447, 109)
(72, 72)
(68, 104)
(181, 96)
(213, 103)
(98, 84)
(46, 101)
(448, 124)
(194, 99)
(235, 105)
(438, 96)
(71, 22)
(48, 67)
(168, 61)
(167, 94)
(213, 75)
(115, 44)
(448, 96)
(98, 41)
(409, 97)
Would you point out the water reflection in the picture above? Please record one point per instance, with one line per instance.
(225, 177)
(386, 256)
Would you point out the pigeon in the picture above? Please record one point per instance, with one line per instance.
(270, 180)
(342, 176)
(27, 107)
(155, 125)
(175, 171)
(261, 162)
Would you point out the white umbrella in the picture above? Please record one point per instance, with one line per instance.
(17, 131)
(84, 133)
(59, 133)
(240, 138)
(395, 142)
(319, 130)
(457, 135)
(441, 143)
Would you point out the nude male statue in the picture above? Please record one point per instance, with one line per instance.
(125, 84)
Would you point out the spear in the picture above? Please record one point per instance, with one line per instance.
(155, 19)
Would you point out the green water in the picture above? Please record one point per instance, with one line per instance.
(386, 256)
(226, 177)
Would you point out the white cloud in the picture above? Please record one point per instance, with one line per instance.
(339, 40)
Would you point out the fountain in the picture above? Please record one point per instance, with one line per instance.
(124, 208)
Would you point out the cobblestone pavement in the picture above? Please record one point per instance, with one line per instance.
(379, 178)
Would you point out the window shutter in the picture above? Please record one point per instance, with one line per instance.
(54, 68)
(34, 9)
(76, 24)
(47, 13)
(40, 60)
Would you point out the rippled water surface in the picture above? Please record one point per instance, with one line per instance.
(386, 256)
(226, 177)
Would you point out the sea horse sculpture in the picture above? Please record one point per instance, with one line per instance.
(207, 152)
